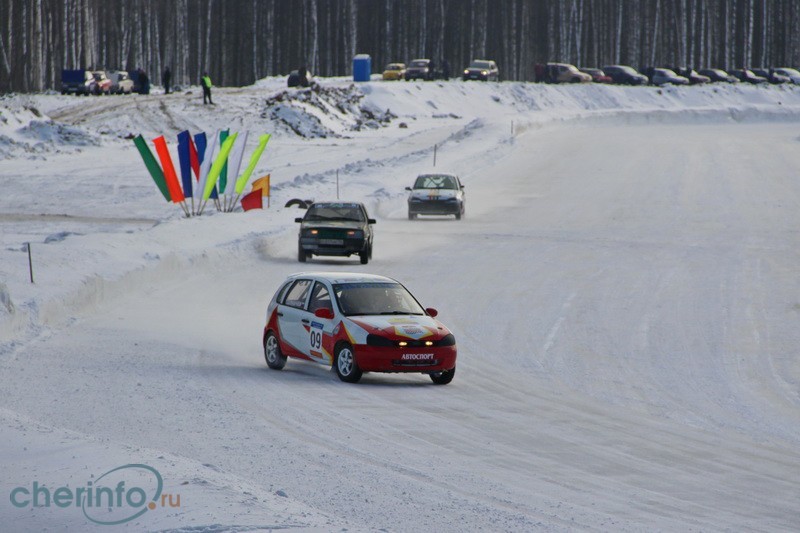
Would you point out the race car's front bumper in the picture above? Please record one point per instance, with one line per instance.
(422, 359)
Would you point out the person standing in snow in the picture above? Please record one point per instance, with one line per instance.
(144, 82)
(205, 81)
(166, 77)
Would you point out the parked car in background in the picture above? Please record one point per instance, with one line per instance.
(566, 73)
(77, 81)
(394, 71)
(419, 69)
(693, 76)
(664, 76)
(102, 83)
(482, 69)
(772, 76)
(792, 74)
(121, 82)
(625, 75)
(436, 194)
(747, 76)
(598, 76)
(295, 80)
(356, 323)
(718, 75)
(335, 229)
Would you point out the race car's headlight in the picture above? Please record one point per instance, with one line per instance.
(451, 199)
(447, 340)
(311, 232)
(377, 340)
(484, 72)
(466, 72)
(355, 234)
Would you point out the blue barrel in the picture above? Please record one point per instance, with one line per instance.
(362, 67)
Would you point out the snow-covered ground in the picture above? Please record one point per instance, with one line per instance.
(624, 289)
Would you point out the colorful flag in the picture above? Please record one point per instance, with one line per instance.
(216, 167)
(170, 176)
(206, 159)
(152, 165)
(185, 160)
(262, 184)
(242, 181)
(252, 200)
(223, 175)
(235, 162)
(200, 150)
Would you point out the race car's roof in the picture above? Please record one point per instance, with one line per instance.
(344, 277)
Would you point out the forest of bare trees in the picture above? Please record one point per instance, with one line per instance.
(243, 40)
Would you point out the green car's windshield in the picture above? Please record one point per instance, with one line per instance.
(435, 181)
(376, 299)
(341, 212)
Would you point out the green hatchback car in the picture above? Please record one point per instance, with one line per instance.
(335, 229)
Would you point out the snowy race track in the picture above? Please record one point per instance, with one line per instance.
(625, 297)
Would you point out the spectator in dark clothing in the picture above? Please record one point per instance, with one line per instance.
(538, 71)
(205, 81)
(166, 77)
(302, 76)
(445, 69)
(144, 82)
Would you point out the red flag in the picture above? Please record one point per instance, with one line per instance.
(252, 200)
(170, 176)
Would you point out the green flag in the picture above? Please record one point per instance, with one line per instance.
(216, 167)
(152, 166)
(241, 183)
(223, 176)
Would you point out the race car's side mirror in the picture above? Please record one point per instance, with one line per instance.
(409, 188)
(298, 220)
(371, 221)
(431, 312)
(323, 312)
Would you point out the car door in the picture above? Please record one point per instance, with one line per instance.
(319, 331)
(291, 313)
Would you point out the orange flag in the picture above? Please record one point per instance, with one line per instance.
(263, 184)
(175, 191)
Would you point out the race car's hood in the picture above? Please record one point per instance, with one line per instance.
(400, 327)
(434, 194)
(338, 224)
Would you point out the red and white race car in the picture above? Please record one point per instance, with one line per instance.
(357, 323)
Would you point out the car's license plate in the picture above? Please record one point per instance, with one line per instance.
(331, 241)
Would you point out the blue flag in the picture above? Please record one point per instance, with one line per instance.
(185, 162)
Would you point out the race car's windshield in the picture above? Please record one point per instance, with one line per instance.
(435, 181)
(480, 64)
(340, 212)
(419, 63)
(375, 299)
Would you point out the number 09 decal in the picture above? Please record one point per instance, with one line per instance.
(316, 339)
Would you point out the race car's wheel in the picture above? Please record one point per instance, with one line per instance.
(301, 254)
(272, 352)
(458, 215)
(366, 255)
(444, 377)
(411, 216)
(345, 364)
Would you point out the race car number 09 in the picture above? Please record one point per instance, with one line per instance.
(316, 339)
